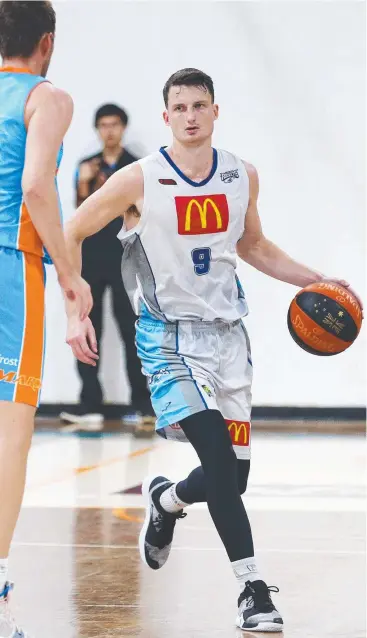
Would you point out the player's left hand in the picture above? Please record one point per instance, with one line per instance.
(81, 337)
(347, 285)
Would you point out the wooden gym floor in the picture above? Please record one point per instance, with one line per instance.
(77, 569)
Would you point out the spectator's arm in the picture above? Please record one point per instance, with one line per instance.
(85, 174)
(81, 189)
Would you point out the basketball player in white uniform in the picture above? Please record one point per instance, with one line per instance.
(192, 210)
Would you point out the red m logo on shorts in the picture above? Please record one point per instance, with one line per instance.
(239, 431)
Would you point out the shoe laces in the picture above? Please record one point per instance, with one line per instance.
(259, 596)
(157, 521)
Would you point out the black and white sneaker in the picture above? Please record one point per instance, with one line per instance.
(156, 536)
(256, 611)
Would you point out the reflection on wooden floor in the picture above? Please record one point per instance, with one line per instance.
(77, 569)
(79, 575)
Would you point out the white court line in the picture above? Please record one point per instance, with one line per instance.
(192, 549)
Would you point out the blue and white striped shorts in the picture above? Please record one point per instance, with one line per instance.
(195, 366)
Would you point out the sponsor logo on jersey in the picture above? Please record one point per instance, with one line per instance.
(202, 215)
(167, 182)
(239, 431)
(6, 361)
(229, 176)
(11, 377)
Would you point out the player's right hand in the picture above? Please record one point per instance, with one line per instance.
(81, 337)
(78, 294)
(89, 170)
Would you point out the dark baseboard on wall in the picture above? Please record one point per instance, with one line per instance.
(295, 413)
(115, 411)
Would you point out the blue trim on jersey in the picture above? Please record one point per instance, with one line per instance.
(183, 176)
(155, 285)
(188, 367)
(241, 293)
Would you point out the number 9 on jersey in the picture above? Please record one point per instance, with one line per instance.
(201, 258)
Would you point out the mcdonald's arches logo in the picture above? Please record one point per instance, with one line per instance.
(202, 215)
(239, 431)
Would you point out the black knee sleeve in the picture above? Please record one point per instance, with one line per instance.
(208, 433)
(243, 470)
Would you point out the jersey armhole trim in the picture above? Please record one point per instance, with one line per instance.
(125, 234)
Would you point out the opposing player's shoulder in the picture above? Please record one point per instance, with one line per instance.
(57, 102)
(47, 92)
(63, 98)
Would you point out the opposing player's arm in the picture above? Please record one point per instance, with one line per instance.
(121, 191)
(47, 116)
(261, 253)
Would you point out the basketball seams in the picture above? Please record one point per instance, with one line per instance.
(341, 324)
(340, 295)
(311, 334)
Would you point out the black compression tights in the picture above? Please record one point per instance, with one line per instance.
(219, 481)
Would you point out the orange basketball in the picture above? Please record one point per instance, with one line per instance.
(324, 318)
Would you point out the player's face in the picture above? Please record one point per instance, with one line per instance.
(110, 130)
(190, 114)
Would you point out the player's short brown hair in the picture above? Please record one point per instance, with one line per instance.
(22, 25)
(189, 77)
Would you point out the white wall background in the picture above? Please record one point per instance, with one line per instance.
(290, 81)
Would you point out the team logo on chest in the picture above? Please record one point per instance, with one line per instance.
(229, 176)
(202, 215)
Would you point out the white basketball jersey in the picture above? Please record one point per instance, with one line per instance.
(179, 261)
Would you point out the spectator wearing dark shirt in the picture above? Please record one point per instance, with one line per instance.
(102, 269)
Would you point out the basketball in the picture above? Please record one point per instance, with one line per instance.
(324, 318)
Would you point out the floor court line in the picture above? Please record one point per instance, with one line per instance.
(330, 552)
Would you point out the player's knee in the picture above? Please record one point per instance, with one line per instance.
(208, 433)
(16, 427)
(243, 470)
